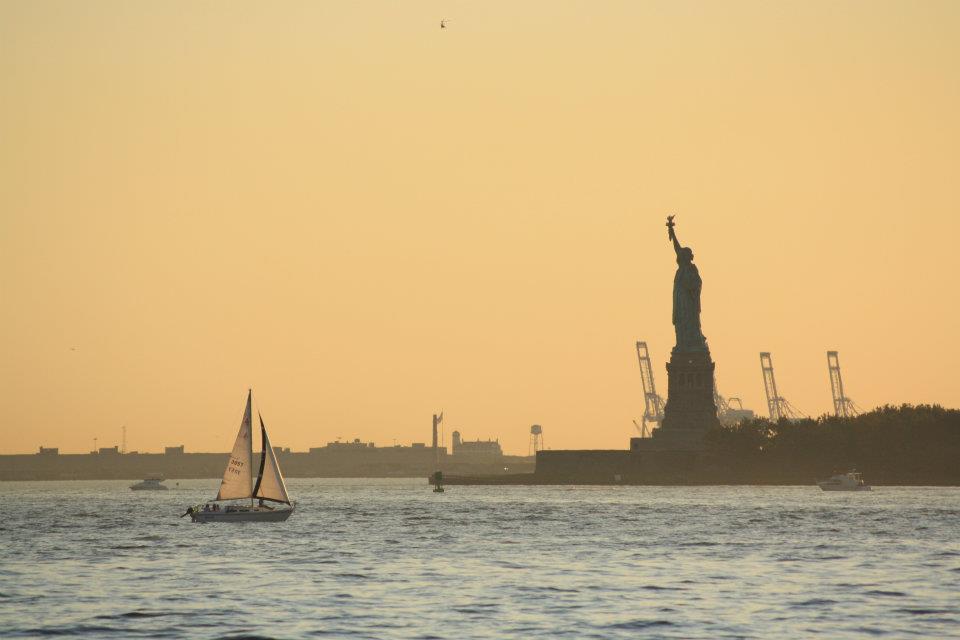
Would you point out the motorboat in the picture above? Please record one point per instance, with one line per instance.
(239, 484)
(149, 484)
(850, 481)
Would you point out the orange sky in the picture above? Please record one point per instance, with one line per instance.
(368, 219)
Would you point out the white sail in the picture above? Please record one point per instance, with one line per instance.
(238, 477)
(270, 485)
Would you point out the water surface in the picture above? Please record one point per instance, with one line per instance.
(391, 559)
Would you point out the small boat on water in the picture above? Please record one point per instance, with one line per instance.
(851, 481)
(238, 482)
(149, 484)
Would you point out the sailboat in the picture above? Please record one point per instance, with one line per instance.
(238, 482)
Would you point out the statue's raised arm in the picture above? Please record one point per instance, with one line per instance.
(672, 234)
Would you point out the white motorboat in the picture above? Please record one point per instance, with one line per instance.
(238, 482)
(852, 481)
(149, 484)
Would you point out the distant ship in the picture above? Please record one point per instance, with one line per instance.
(149, 484)
(238, 482)
(852, 481)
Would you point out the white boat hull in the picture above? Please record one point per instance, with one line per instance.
(833, 487)
(246, 515)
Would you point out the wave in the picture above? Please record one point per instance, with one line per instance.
(926, 612)
(815, 602)
(634, 625)
(136, 615)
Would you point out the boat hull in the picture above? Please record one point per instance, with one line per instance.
(255, 515)
(840, 488)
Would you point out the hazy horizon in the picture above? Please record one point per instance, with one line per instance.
(369, 220)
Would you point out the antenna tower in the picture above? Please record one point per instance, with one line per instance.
(843, 406)
(536, 440)
(777, 405)
(652, 402)
(123, 441)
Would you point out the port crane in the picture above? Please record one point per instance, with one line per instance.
(843, 406)
(777, 405)
(641, 429)
(652, 402)
(723, 405)
(730, 410)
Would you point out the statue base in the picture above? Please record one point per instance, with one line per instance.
(690, 411)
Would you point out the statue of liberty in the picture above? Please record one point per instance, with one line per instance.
(686, 298)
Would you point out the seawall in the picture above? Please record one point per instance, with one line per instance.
(364, 463)
(624, 467)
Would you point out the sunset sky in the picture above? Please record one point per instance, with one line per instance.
(368, 219)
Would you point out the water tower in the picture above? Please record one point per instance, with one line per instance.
(536, 440)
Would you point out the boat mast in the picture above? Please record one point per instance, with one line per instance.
(250, 439)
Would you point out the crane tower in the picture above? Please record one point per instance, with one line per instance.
(652, 402)
(843, 406)
(777, 405)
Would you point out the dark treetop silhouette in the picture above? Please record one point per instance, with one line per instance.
(686, 298)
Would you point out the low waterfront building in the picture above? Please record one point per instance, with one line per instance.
(476, 450)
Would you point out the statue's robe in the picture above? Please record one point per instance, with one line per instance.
(686, 309)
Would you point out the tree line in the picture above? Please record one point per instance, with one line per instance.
(906, 445)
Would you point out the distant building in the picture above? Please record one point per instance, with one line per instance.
(341, 446)
(49, 451)
(109, 451)
(279, 450)
(475, 449)
(173, 451)
(361, 459)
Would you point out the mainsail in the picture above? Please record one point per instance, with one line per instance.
(238, 477)
(270, 485)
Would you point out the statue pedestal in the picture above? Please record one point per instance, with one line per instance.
(690, 410)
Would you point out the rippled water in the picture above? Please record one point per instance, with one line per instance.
(390, 559)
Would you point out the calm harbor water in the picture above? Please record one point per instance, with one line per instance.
(390, 559)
